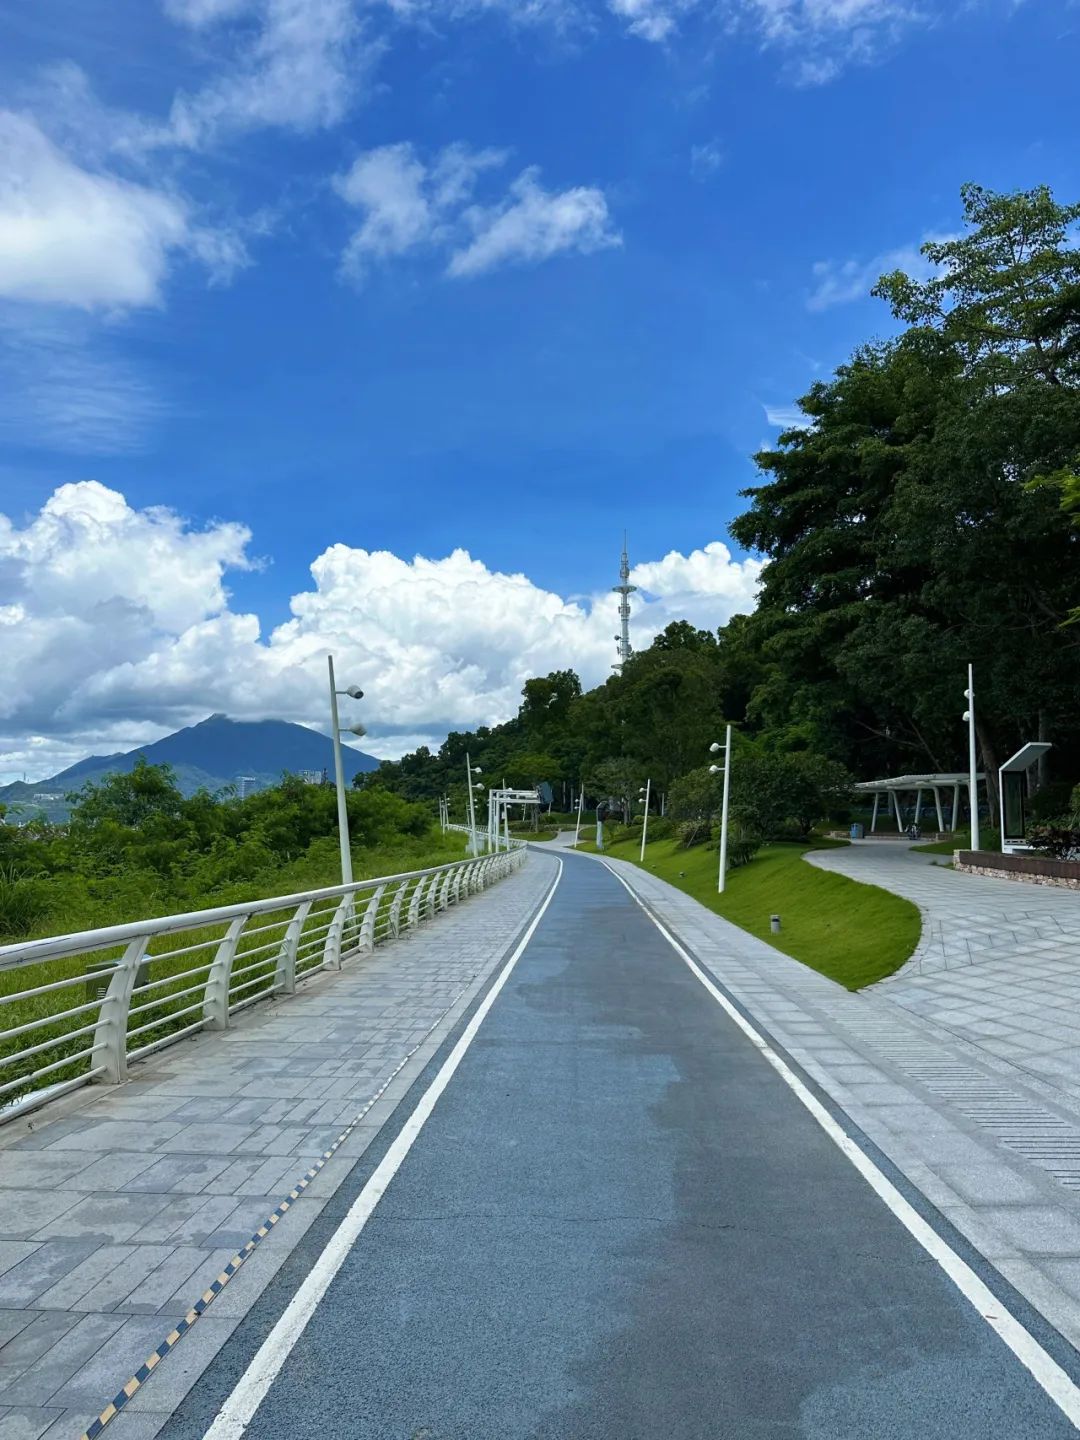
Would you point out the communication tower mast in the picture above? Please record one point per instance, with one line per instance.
(624, 591)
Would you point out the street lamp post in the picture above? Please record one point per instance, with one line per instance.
(714, 770)
(973, 782)
(580, 806)
(645, 790)
(354, 693)
(470, 771)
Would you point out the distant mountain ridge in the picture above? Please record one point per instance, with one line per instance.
(210, 755)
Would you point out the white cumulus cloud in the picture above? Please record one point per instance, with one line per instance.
(295, 64)
(410, 204)
(87, 238)
(117, 626)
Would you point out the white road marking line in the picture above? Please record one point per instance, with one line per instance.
(1045, 1369)
(250, 1390)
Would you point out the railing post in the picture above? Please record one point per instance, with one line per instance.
(110, 1033)
(332, 947)
(414, 902)
(432, 897)
(216, 997)
(395, 908)
(459, 875)
(367, 925)
(285, 974)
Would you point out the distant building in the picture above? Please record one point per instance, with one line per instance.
(46, 795)
(313, 777)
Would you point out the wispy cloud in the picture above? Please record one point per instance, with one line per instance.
(409, 204)
(841, 282)
(786, 417)
(64, 386)
(706, 159)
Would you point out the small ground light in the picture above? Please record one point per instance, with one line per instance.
(774, 924)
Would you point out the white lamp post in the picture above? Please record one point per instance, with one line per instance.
(470, 771)
(714, 749)
(580, 806)
(354, 693)
(973, 782)
(645, 790)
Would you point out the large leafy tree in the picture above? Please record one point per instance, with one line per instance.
(903, 539)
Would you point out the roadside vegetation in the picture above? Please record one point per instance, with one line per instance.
(853, 933)
(135, 847)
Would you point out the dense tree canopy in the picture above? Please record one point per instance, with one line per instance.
(925, 518)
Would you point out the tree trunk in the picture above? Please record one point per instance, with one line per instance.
(990, 765)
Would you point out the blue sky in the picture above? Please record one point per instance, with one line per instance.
(401, 278)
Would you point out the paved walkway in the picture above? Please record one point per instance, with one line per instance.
(998, 963)
(615, 1221)
(118, 1208)
(619, 1220)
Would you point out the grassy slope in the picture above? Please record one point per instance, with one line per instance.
(988, 839)
(853, 933)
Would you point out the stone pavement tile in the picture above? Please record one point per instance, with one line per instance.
(989, 1184)
(1037, 1229)
(11, 1323)
(254, 1175)
(44, 1135)
(213, 1138)
(178, 1172)
(43, 1330)
(130, 1425)
(1038, 1284)
(48, 1375)
(25, 1211)
(71, 1423)
(70, 1289)
(113, 1289)
(188, 1290)
(102, 1373)
(106, 1217)
(157, 1288)
(20, 1170)
(111, 1172)
(175, 1376)
(101, 1135)
(13, 1252)
(186, 1219)
(25, 1281)
(26, 1424)
(241, 1223)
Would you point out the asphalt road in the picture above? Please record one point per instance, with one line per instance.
(620, 1222)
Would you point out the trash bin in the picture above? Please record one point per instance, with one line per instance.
(857, 831)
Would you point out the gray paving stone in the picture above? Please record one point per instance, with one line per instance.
(48, 1375)
(105, 1217)
(51, 1260)
(24, 1212)
(178, 1172)
(26, 1424)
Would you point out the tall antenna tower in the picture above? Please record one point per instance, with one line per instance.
(625, 590)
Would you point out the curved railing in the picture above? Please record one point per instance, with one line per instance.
(152, 982)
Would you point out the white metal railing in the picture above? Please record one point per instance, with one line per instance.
(152, 982)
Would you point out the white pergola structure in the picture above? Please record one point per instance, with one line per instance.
(499, 803)
(920, 785)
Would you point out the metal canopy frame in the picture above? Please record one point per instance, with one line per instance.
(893, 787)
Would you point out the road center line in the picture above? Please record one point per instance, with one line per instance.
(250, 1390)
(1042, 1366)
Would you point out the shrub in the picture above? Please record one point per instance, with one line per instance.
(693, 832)
(743, 845)
(24, 902)
(1060, 842)
(1052, 801)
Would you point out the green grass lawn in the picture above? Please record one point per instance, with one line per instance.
(988, 840)
(853, 933)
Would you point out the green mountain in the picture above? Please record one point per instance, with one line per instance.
(249, 754)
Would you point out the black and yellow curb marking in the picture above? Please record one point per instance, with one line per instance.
(146, 1369)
